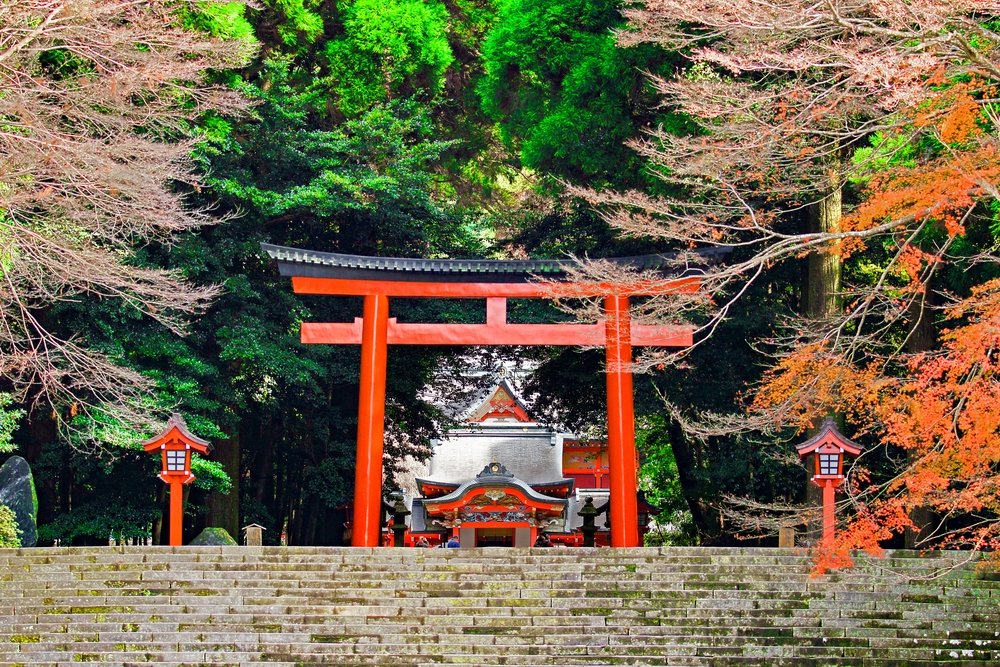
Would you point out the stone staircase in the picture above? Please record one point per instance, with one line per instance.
(271, 606)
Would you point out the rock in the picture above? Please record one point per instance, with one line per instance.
(17, 491)
(214, 537)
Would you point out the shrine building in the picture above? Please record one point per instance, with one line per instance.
(503, 477)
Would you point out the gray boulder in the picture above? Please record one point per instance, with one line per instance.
(17, 491)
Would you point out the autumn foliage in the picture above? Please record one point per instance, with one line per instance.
(98, 101)
(884, 113)
(941, 407)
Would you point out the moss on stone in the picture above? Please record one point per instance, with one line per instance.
(214, 537)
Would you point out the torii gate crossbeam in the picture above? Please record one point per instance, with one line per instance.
(378, 279)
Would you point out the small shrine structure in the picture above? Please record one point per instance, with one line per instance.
(379, 279)
(501, 478)
(827, 449)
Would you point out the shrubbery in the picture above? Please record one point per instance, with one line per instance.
(9, 533)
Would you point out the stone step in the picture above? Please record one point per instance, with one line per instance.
(709, 608)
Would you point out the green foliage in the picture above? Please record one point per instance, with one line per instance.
(885, 151)
(564, 95)
(210, 475)
(389, 49)
(225, 20)
(471, 19)
(9, 532)
(113, 495)
(366, 182)
(94, 522)
(658, 474)
(327, 482)
(9, 418)
(300, 21)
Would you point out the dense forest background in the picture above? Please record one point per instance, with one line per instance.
(494, 128)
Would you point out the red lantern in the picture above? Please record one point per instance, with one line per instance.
(828, 448)
(176, 444)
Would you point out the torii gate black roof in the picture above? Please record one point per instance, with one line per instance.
(316, 264)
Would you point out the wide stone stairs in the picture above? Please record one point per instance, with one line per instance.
(258, 606)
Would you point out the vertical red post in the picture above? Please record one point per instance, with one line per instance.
(176, 513)
(624, 511)
(371, 423)
(829, 517)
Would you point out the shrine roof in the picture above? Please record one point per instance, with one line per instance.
(316, 264)
(496, 475)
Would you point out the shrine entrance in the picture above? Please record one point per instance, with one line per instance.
(502, 537)
(378, 279)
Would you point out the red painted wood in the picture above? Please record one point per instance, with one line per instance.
(176, 512)
(624, 511)
(472, 290)
(495, 334)
(829, 514)
(371, 423)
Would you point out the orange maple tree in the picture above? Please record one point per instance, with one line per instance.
(894, 104)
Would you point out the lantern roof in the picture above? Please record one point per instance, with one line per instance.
(176, 430)
(313, 263)
(828, 434)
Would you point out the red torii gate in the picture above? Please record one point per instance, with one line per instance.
(379, 278)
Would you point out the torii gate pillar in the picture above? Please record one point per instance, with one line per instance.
(623, 510)
(371, 423)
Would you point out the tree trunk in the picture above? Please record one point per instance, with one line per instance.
(922, 337)
(263, 465)
(821, 299)
(684, 456)
(224, 509)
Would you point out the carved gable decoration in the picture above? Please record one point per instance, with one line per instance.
(496, 497)
(502, 404)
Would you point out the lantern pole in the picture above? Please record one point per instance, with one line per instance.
(176, 512)
(829, 505)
